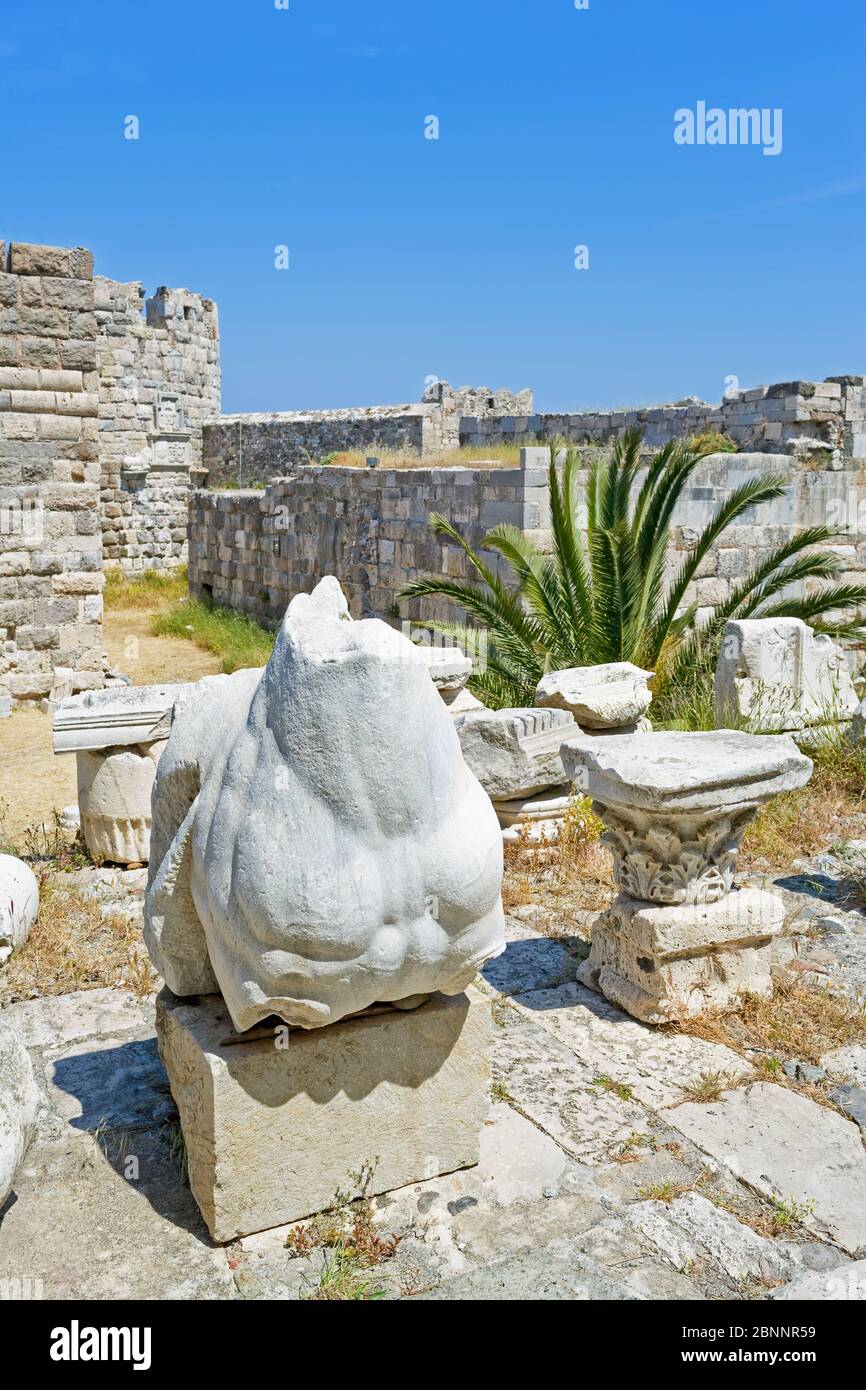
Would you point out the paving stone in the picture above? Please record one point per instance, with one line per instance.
(556, 1271)
(851, 1099)
(691, 1229)
(844, 1283)
(533, 961)
(656, 1066)
(58, 1020)
(785, 1146)
(553, 1087)
(89, 1232)
(110, 1083)
(846, 1061)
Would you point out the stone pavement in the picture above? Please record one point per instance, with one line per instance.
(599, 1178)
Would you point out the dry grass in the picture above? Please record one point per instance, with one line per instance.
(488, 456)
(353, 1245)
(564, 881)
(796, 1023)
(73, 945)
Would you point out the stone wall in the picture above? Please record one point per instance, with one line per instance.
(50, 542)
(159, 380)
(248, 449)
(253, 550)
(823, 421)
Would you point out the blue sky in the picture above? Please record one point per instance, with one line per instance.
(412, 257)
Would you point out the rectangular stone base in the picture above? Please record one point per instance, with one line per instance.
(665, 963)
(273, 1131)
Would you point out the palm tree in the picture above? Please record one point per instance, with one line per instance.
(602, 596)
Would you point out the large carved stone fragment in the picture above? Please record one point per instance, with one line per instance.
(20, 1100)
(515, 752)
(318, 842)
(779, 674)
(677, 941)
(19, 903)
(611, 696)
(675, 805)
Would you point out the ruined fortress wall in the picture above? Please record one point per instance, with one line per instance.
(159, 380)
(249, 449)
(50, 541)
(254, 550)
(810, 416)
(243, 450)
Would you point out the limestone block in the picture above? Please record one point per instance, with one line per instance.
(667, 963)
(319, 844)
(779, 674)
(274, 1126)
(19, 903)
(114, 791)
(19, 1106)
(102, 719)
(599, 697)
(676, 805)
(449, 668)
(515, 752)
(536, 818)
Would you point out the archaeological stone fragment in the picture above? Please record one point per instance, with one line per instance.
(319, 844)
(778, 674)
(19, 1106)
(614, 695)
(19, 903)
(677, 941)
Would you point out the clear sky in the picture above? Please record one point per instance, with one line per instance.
(411, 257)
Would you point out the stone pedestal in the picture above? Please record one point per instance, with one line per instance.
(675, 806)
(667, 963)
(275, 1126)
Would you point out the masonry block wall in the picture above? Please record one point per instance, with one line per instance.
(822, 419)
(50, 538)
(253, 550)
(159, 380)
(249, 449)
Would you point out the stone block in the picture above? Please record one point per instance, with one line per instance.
(272, 1132)
(666, 963)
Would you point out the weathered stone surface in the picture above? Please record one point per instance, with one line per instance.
(319, 844)
(599, 697)
(58, 1021)
(675, 805)
(102, 719)
(779, 674)
(114, 793)
(449, 668)
(848, 1061)
(538, 818)
(515, 752)
(845, 1283)
(110, 1218)
(691, 1229)
(19, 1106)
(118, 1083)
(272, 1132)
(531, 961)
(666, 963)
(787, 1147)
(556, 1271)
(654, 1067)
(19, 903)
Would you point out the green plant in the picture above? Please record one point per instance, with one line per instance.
(602, 596)
(238, 639)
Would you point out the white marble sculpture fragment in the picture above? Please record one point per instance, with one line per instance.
(19, 903)
(778, 674)
(318, 842)
(614, 695)
(515, 752)
(20, 1101)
